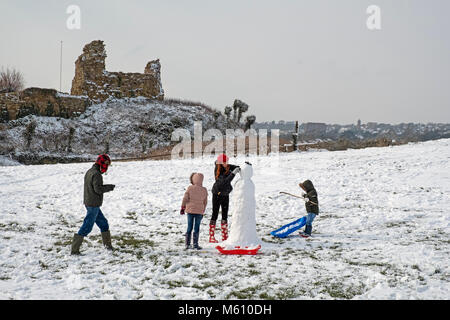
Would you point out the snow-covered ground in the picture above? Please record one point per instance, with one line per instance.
(7, 161)
(383, 230)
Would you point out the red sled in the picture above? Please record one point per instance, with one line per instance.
(239, 250)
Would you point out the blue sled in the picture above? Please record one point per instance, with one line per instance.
(286, 230)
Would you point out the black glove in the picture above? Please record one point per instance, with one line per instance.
(236, 170)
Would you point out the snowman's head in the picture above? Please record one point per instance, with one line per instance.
(246, 171)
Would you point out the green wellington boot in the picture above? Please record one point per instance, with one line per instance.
(76, 243)
(106, 238)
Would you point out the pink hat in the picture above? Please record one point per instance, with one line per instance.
(222, 158)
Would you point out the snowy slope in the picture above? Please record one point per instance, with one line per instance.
(129, 127)
(383, 230)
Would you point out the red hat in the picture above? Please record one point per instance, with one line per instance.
(222, 158)
(103, 161)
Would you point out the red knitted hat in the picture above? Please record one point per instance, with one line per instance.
(222, 158)
(103, 161)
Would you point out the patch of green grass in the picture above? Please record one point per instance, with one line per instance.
(338, 291)
(336, 246)
(367, 264)
(395, 224)
(310, 254)
(16, 226)
(167, 264)
(176, 283)
(265, 296)
(139, 254)
(63, 221)
(153, 258)
(63, 243)
(208, 284)
(289, 251)
(204, 275)
(247, 293)
(287, 293)
(273, 240)
(253, 272)
(329, 216)
(43, 265)
(127, 241)
(131, 215)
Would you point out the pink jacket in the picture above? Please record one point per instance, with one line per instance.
(196, 196)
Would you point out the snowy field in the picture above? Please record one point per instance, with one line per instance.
(383, 231)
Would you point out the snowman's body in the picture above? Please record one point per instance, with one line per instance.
(243, 207)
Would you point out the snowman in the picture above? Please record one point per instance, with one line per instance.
(243, 206)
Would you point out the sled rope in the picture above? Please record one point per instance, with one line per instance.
(298, 197)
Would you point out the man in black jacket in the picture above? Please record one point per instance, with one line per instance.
(93, 199)
(224, 174)
(311, 204)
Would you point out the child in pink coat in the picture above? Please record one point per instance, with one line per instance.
(194, 204)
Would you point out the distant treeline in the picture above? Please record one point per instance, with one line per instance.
(403, 132)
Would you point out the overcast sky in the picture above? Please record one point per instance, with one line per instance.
(312, 60)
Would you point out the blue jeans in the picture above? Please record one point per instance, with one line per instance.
(94, 215)
(194, 222)
(309, 220)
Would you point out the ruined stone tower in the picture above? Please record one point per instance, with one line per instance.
(92, 80)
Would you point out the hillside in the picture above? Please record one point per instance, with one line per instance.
(128, 127)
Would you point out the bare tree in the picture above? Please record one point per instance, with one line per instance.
(239, 108)
(235, 110)
(228, 112)
(243, 108)
(11, 80)
(250, 120)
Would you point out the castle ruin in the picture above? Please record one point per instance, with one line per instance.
(92, 80)
(41, 101)
(91, 84)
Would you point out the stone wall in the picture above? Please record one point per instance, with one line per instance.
(40, 101)
(92, 80)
